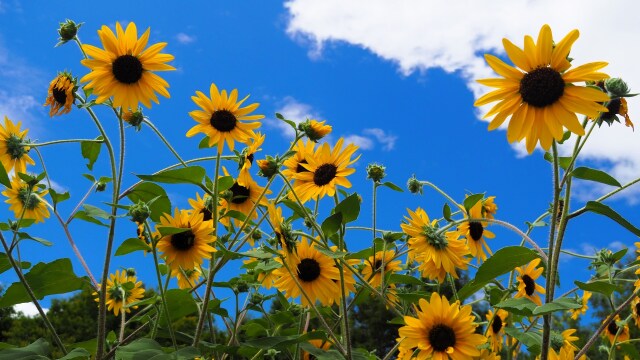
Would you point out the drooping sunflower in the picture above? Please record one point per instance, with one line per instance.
(60, 96)
(495, 329)
(124, 69)
(585, 306)
(476, 232)
(437, 254)
(242, 199)
(247, 158)
(220, 118)
(613, 328)
(116, 292)
(142, 234)
(186, 249)
(315, 130)
(527, 286)
(187, 278)
(314, 271)
(26, 201)
(374, 277)
(294, 164)
(538, 93)
(202, 205)
(489, 207)
(13, 151)
(441, 331)
(327, 169)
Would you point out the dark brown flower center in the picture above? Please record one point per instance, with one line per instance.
(637, 308)
(324, 174)
(250, 158)
(475, 230)
(441, 337)
(183, 241)
(529, 284)
(240, 193)
(206, 214)
(301, 168)
(377, 265)
(613, 107)
(496, 325)
(59, 95)
(308, 270)
(612, 328)
(541, 87)
(127, 69)
(223, 120)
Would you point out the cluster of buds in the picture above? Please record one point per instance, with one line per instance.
(617, 90)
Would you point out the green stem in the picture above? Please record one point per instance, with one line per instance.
(434, 187)
(603, 197)
(164, 140)
(453, 287)
(346, 332)
(162, 293)
(54, 142)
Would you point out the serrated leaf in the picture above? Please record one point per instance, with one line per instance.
(56, 277)
(502, 262)
(331, 224)
(349, 208)
(602, 177)
(130, 245)
(599, 286)
(187, 175)
(560, 304)
(90, 151)
(392, 186)
(5, 264)
(147, 191)
(602, 209)
(471, 200)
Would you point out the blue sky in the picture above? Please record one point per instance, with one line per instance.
(384, 78)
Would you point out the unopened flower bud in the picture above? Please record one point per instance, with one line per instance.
(414, 185)
(268, 167)
(256, 299)
(101, 186)
(67, 31)
(134, 118)
(375, 172)
(139, 212)
(131, 272)
(256, 235)
(242, 286)
(616, 87)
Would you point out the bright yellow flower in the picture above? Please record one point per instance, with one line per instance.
(13, 151)
(527, 286)
(26, 201)
(61, 95)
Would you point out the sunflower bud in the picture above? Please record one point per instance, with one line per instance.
(139, 212)
(414, 185)
(131, 272)
(375, 172)
(315, 130)
(67, 31)
(256, 299)
(256, 235)
(134, 118)
(101, 186)
(616, 87)
(241, 286)
(268, 167)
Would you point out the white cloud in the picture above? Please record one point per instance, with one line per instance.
(419, 35)
(372, 138)
(28, 309)
(364, 143)
(388, 141)
(295, 111)
(185, 39)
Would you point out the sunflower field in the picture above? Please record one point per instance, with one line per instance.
(294, 248)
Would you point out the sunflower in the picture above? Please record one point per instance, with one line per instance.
(242, 199)
(141, 233)
(317, 343)
(220, 118)
(585, 305)
(186, 249)
(437, 254)
(374, 277)
(495, 329)
(282, 230)
(314, 271)
(539, 93)
(613, 328)
(60, 96)
(13, 151)
(527, 286)
(635, 310)
(564, 340)
(487, 355)
(187, 278)
(247, 158)
(26, 201)
(124, 69)
(441, 331)
(116, 292)
(489, 207)
(563, 354)
(326, 170)
(202, 205)
(476, 232)
(315, 130)
(294, 164)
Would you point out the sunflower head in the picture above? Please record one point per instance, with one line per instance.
(187, 278)
(617, 330)
(314, 130)
(527, 286)
(122, 289)
(268, 167)
(139, 212)
(14, 148)
(27, 200)
(585, 306)
(414, 185)
(60, 97)
(124, 69)
(495, 329)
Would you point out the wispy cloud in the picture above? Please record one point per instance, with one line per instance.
(185, 39)
(364, 143)
(373, 138)
(295, 111)
(28, 309)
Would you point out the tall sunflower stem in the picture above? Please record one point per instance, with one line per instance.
(207, 292)
(123, 316)
(165, 307)
(33, 297)
(164, 140)
(576, 150)
(344, 311)
(434, 187)
(452, 283)
(64, 141)
(80, 203)
(373, 222)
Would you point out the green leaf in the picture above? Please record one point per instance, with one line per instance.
(130, 245)
(586, 173)
(618, 255)
(5, 264)
(91, 214)
(599, 286)
(180, 303)
(275, 342)
(291, 123)
(471, 200)
(297, 209)
(531, 339)
(332, 224)
(321, 354)
(204, 143)
(404, 279)
(330, 253)
(391, 186)
(37, 350)
(147, 191)
(225, 183)
(502, 262)
(142, 348)
(91, 150)
(25, 236)
(77, 353)
(82, 215)
(56, 277)
(4, 177)
(349, 207)
(563, 161)
(56, 197)
(519, 306)
(602, 209)
(560, 304)
(446, 212)
(188, 175)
